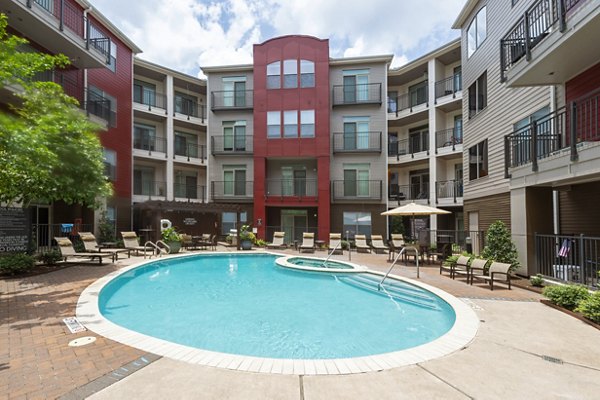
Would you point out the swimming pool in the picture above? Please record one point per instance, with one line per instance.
(246, 305)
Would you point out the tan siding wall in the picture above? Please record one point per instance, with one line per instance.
(579, 212)
(490, 208)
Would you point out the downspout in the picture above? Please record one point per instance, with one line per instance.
(555, 197)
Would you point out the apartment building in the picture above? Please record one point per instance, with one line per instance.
(99, 78)
(425, 140)
(531, 140)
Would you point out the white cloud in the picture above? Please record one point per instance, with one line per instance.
(184, 34)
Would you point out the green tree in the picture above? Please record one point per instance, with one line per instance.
(49, 150)
(499, 245)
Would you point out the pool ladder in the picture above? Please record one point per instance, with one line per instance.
(155, 246)
(413, 248)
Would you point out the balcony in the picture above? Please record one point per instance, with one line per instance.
(408, 101)
(69, 80)
(448, 138)
(448, 87)
(190, 192)
(60, 27)
(151, 144)
(232, 191)
(149, 189)
(356, 191)
(100, 107)
(150, 100)
(296, 189)
(191, 151)
(239, 145)
(357, 142)
(449, 190)
(346, 95)
(189, 109)
(409, 147)
(409, 192)
(547, 34)
(232, 100)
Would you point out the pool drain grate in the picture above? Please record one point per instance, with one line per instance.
(552, 359)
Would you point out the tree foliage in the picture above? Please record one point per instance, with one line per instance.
(49, 150)
(499, 245)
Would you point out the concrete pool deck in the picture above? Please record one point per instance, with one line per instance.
(523, 349)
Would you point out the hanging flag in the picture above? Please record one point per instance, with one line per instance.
(565, 248)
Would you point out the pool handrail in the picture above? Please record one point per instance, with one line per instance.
(415, 249)
(331, 253)
(155, 246)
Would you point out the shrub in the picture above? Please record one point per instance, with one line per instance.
(537, 280)
(50, 257)
(17, 263)
(499, 246)
(345, 245)
(590, 307)
(567, 296)
(170, 235)
(261, 243)
(106, 229)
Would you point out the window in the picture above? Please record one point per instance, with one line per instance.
(274, 75)
(273, 124)
(234, 91)
(419, 184)
(47, 5)
(307, 73)
(458, 122)
(307, 123)
(546, 143)
(356, 85)
(418, 94)
(110, 164)
(356, 180)
(290, 74)
(418, 139)
(144, 138)
(392, 101)
(186, 144)
(186, 104)
(478, 160)
(357, 223)
(356, 133)
(477, 32)
(234, 135)
(234, 180)
(290, 124)
(143, 182)
(478, 95)
(112, 63)
(144, 93)
(228, 221)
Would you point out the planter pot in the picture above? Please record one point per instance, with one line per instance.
(246, 244)
(174, 246)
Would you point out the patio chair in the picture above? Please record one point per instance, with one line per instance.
(498, 272)
(187, 241)
(360, 241)
(131, 242)
(308, 242)
(277, 241)
(377, 244)
(460, 267)
(396, 244)
(67, 250)
(335, 242)
(91, 246)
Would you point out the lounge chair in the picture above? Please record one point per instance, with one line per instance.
(91, 246)
(308, 242)
(278, 238)
(131, 242)
(460, 267)
(377, 244)
(335, 242)
(498, 272)
(67, 250)
(360, 241)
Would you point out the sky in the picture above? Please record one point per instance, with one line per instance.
(185, 35)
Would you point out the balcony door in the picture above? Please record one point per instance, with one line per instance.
(356, 180)
(143, 181)
(356, 133)
(185, 105)
(234, 136)
(294, 223)
(418, 139)
(234, 92)
(418, 93)
(458, 122)
(234, 182)
(356, 85)
(144, 93)
(419, 184)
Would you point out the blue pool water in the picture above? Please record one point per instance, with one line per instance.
(246, 305)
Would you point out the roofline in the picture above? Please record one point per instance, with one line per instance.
(109, 25)
(440, 50)
(464, 13)
(384, 58)
(166, 71)
(227, 68)
(287, 36)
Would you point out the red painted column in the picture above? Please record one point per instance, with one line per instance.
(260, 210)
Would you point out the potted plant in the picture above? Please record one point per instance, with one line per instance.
(172, 239)
(246, 237)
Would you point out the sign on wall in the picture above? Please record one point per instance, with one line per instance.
(15, 231)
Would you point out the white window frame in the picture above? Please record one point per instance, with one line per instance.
(290, 124)
(477, 31)
(273, 124)
(307, 123)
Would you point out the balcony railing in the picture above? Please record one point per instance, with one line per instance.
(531, 29)
(190, 109)
(357, 142)
(191, 150)
(448, 137)
(151, 99)
(232, 100)
(67, 79)
(449, 189)
(149, 188)
(456, 239)
(368, 93)
(356, 190)
(231, 145)
(150, 144)
(405, 147)
(190, 192)
(100, 107)
(292, 187)
(235, 191)
(409, 192)
(448, 86)
(97, 39)
(409, 100)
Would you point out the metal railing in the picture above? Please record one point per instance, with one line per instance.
(568, 258)
(239, 191)
(149, 188)
(97, 39)
(232, 100)
(449, 189)
(150, 144)
(356, 142)
(189, 109)
(412, 99)
(190, 150)
(448, 137)
(69, 80)
(150, 99)
(448, 86)
(470, 241)
(409, 192)
(531, 28)
(367, 93)
(231, 145)
(190, 192)
(42, 235)
(356, 190)
(292, 188)
(100, 107)
(404, 147)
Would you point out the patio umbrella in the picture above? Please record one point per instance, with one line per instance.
(413, 209)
